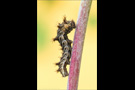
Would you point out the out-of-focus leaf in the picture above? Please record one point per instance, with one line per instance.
(41, 36)
(50, 2)
(92, 21)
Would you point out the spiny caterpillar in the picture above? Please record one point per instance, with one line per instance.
(63, 29)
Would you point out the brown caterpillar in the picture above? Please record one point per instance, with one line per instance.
(63, 29)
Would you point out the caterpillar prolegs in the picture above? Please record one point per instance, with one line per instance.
(63, 29)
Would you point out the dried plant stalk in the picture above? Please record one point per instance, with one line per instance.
(78, 44)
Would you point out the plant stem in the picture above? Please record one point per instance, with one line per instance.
(78, 44)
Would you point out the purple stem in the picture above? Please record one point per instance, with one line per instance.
(78, 44)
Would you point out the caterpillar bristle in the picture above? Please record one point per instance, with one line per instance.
(69, 41)
(59, 26)
(57, 71)
(57, 63)
(59, 57)
(60, 48)
(54, 64)
(56, 38)
(64, 20)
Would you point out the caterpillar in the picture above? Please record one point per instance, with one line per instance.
(63, 29)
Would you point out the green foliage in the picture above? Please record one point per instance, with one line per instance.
(92, 21)
(41, 36)
(49, 2)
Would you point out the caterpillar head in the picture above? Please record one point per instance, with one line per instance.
(73, 24)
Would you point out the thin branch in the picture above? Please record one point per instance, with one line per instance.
(78, 44)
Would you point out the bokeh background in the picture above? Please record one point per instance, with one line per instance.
(49, 14)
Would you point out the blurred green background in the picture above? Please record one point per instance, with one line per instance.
(49, 14)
